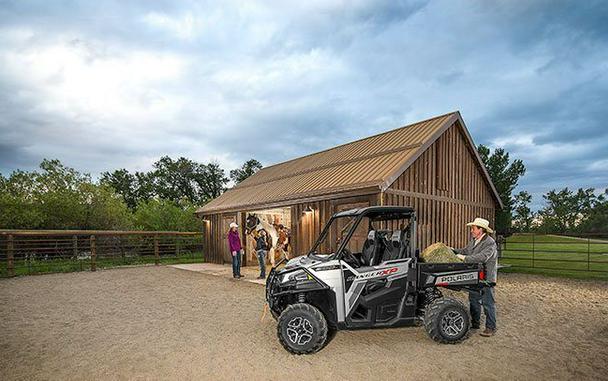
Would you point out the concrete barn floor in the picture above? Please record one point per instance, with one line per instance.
(167, 323)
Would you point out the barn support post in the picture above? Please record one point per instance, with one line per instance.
(10, 256)
(93, 254)
(156, 252)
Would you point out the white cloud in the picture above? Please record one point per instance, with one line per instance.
(186, 27)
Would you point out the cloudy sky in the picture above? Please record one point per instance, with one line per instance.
(102, 85)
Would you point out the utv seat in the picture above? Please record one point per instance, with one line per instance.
(396, 247)
(392, 249)
(369, 253)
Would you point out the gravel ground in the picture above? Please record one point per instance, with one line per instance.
(166, 323)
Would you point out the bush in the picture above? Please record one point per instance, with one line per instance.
(165, 215)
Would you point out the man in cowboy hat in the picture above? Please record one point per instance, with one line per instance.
(482, 249)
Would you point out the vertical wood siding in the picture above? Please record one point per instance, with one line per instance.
(447, 188)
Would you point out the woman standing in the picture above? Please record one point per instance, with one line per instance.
(234, 243)
(261, 248)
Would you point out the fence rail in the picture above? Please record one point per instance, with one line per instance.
(32, 252)
(587, 253)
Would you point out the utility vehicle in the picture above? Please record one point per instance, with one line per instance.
(364, 272)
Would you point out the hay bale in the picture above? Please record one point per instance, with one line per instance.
(439, 253)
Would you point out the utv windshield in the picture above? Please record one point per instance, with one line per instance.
(337, 231)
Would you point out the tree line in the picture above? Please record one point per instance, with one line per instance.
(167, 196)
(164, 198)
(565, 210)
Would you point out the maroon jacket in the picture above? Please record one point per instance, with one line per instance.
(234, 241)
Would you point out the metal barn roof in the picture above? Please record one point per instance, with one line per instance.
(374, 163)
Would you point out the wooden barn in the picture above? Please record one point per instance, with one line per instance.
(432, 165)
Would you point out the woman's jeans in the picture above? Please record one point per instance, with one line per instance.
(262, 261)
(485, 298)
(236, 263)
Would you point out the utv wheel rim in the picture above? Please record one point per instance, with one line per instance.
(452, 323)
(299, 330)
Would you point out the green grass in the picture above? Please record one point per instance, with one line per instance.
(556, 256)
(23, 267)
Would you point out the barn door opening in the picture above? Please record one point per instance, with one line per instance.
(277, 224)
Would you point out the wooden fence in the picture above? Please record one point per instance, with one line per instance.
(35, 251)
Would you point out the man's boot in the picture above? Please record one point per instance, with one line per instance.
(488, 332)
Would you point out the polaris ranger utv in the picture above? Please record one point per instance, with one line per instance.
(364, 272)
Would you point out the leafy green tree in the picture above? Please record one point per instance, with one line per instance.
(522, 214)
(505, 175)
(211, 181)
(58, 197)
(174, 179)
(169, 179)
(566, 209)
(247, 169)
(165, 215)
(597, 219)
(104, 209)
(144, 190)
(124, 183)
(18, 206)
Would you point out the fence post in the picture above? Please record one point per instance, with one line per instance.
(156, 253)
(10, 257)
(588, 252)
(533, 235)
(75, 246)
(93, 254)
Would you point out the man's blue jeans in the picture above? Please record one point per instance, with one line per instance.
(236, 263)
(262, 261)
(485, 298)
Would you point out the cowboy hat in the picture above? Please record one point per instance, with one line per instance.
(233, 225)
(481, 223)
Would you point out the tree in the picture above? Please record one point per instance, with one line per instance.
(104, 209)
(212, 181)
(505, 176)
(597, 219)
(58, 197)
(170, 179)
(523, 215)
(249, 168)
(165, 215)
(566, 209)
(124, 183)
(18, 207)
(175, 179)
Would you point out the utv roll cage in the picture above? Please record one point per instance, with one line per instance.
(375, 214)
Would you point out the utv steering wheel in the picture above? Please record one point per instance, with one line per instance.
(349, 258)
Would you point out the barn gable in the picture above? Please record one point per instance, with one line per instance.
(446, 187)
(372, 164)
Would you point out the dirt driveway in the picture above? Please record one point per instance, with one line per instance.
(166, 323)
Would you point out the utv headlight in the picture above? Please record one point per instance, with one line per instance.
(297, 276)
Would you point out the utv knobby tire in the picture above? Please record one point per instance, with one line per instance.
(447, 321)
(302, 329)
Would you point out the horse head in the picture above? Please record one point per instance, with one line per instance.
(251, 222)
